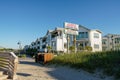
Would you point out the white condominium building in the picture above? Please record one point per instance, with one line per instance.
(92, 38)
(111, 42)
(57, 39)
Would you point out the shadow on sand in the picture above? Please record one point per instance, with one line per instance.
(59, 73)
(24, 74)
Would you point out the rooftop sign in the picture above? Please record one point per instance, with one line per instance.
(71, 26)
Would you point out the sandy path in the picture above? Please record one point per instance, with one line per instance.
(29, 70)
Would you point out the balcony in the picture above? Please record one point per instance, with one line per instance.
(55, 38)
(82, 39)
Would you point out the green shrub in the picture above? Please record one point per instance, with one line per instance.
(88, 48)
(72, 48)
(117, 74)
(108, 61)
(22, 55)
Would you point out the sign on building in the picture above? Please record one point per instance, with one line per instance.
(69, 31)
(71, 26)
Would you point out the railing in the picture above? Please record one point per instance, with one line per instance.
(8, 63)
(56, 37)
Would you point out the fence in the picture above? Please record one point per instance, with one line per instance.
(44, 58)
(8, 63)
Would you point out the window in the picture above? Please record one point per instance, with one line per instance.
(48, 38)
(38, 42)
(81, 44)
(86, 34)
(96, 35)
(79, 35)
(44, 46)
(96, 46)
(53, 44)
(117, 40)
(38, 47)
(82, 35)
(103, 42)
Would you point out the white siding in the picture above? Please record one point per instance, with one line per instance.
(95, 41)
(59, 45)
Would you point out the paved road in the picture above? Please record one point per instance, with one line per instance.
(29, 70)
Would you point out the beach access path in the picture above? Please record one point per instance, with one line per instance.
(29, 70)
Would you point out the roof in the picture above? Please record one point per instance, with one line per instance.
(112, 35)
(49, 31)
(96, 30)
(90, 29)
(59, 28)
(84, 27)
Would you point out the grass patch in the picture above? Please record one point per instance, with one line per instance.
(22, 55)
(108, 61)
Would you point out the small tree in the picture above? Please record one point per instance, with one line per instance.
(49, 48)
(72, 48)
(31, 52)
(80, 48)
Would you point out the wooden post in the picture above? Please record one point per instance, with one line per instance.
(75, 42)
(68, 39)
(14, 61)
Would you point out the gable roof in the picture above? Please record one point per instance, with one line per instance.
(84, 27)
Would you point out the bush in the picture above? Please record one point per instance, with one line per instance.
(117, 75)
(88, 48)
(72, 48)
(108, 61)
(22, 55)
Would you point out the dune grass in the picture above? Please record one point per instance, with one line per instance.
(108, 61)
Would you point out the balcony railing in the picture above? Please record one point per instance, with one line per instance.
(83, 39)
(57, 37)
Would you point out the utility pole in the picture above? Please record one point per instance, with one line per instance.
(20, 46)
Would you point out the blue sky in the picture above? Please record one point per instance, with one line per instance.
(26, 20)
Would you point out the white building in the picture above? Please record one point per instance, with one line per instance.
(92, 38)
(111, 42)
(57, 39)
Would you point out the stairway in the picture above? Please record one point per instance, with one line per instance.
(3, 76)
